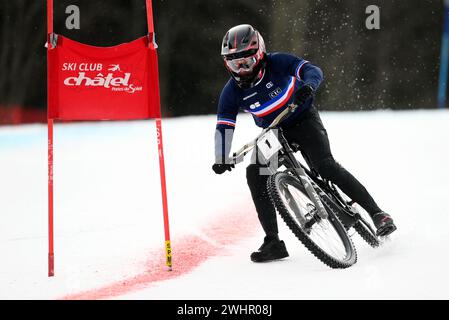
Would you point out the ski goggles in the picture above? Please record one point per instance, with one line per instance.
(241, 64)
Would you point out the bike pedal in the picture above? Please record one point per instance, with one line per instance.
(386, 231)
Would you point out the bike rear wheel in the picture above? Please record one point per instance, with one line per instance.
(366, 230)
(327, 239)
(364, 225)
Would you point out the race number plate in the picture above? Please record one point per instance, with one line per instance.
(269, 144)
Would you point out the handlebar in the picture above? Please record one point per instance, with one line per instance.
(239, 155)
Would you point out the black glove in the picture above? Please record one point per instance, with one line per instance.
(220, 168)
(303, 93)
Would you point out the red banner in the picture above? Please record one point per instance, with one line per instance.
(103, 83)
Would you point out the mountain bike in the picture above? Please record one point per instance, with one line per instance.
(315, 210)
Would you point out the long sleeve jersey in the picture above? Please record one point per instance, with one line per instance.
(283, 75)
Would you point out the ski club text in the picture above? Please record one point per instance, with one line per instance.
(82, 66)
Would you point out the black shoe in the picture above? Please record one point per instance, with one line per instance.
(383, 223)
(271, 249)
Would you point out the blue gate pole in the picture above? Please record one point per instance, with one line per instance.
(444, 58)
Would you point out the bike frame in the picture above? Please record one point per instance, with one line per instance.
(289, 159)
(326, 189)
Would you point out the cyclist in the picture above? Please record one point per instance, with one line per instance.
(264, 84)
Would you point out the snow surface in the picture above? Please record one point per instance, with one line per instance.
(108, 219)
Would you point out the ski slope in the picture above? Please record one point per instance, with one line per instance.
(109, 241)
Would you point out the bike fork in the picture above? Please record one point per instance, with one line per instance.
(313, 195)
(301, 173)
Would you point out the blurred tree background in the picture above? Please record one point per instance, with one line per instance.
(395, 67)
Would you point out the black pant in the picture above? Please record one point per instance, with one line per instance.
(311, 136)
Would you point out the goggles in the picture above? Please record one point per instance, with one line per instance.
(241, 64)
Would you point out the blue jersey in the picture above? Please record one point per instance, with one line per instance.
(283, 75)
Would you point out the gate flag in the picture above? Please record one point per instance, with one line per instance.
(98, 83)
(102, 83)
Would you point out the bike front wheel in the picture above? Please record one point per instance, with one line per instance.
(327, 239)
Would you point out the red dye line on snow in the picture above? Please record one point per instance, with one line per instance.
(188, 253)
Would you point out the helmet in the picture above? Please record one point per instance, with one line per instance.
(243, 51)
